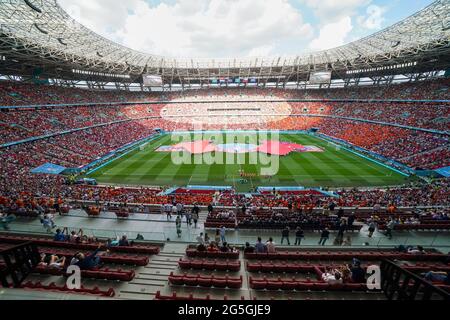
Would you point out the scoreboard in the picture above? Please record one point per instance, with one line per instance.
(152, 80)
(323, 77)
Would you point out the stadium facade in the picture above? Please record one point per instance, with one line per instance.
(39, 41)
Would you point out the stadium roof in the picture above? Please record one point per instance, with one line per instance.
(39, 37)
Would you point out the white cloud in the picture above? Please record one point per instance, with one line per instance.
(102, 16)
(334, 10)
(332, 34)
(197, 28)
(373, 18)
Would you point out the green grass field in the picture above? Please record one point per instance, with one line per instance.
(332, 168)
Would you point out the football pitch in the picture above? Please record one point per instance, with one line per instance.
(334, 167)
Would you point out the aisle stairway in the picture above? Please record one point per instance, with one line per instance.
(153, 277)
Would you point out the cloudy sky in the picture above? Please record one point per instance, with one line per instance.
(237, 28)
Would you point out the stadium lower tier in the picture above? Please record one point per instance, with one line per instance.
(190, 273)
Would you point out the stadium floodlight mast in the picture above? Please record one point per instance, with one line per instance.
(39, 33)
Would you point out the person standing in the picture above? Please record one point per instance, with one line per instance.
(222, 234)
(372, 227)
(180, 208)
(174, 210)
(389, 227)
(340, 235)
(188, 219)
(285, 235)
(299, 235)
(178, 226)
(351, 220)
(195, 219)
(168, 209)
(210, 209)
(217, 237)
(324, 236)
(195, 211)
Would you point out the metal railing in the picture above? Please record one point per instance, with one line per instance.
(164, 230)
(400, 284)
(18, 262)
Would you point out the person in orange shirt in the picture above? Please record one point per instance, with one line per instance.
(20, 203)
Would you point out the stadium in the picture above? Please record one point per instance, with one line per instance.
(319, 176)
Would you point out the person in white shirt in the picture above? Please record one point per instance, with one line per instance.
(200, 239)
(419, 250)
(332, 279)
(174, 210)
(270, 246)
(180, 208)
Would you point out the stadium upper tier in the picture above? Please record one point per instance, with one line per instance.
(37, 37)
(22, 94)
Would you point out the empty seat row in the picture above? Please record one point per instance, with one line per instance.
(421, 226)
(427, 221)
(174, 296)
(104, 273)
(191, 252)
(81, 246)
(303, 285)
(53, 287)
(210, 265)
(205, 281)
(343, 255)
(279, 267)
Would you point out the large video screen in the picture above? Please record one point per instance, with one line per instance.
(320, 77)
(152, 80)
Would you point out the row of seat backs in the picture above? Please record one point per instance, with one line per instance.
(174, 296)
(205, 281)
(302, 268)
(343, 255)
(420, 226)
(215, 219)
(104, 273)
(210, 265)
(83, 290)
(192, 252)
(80, 246)
(280, 267)
(302, 285)
(212, 224)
